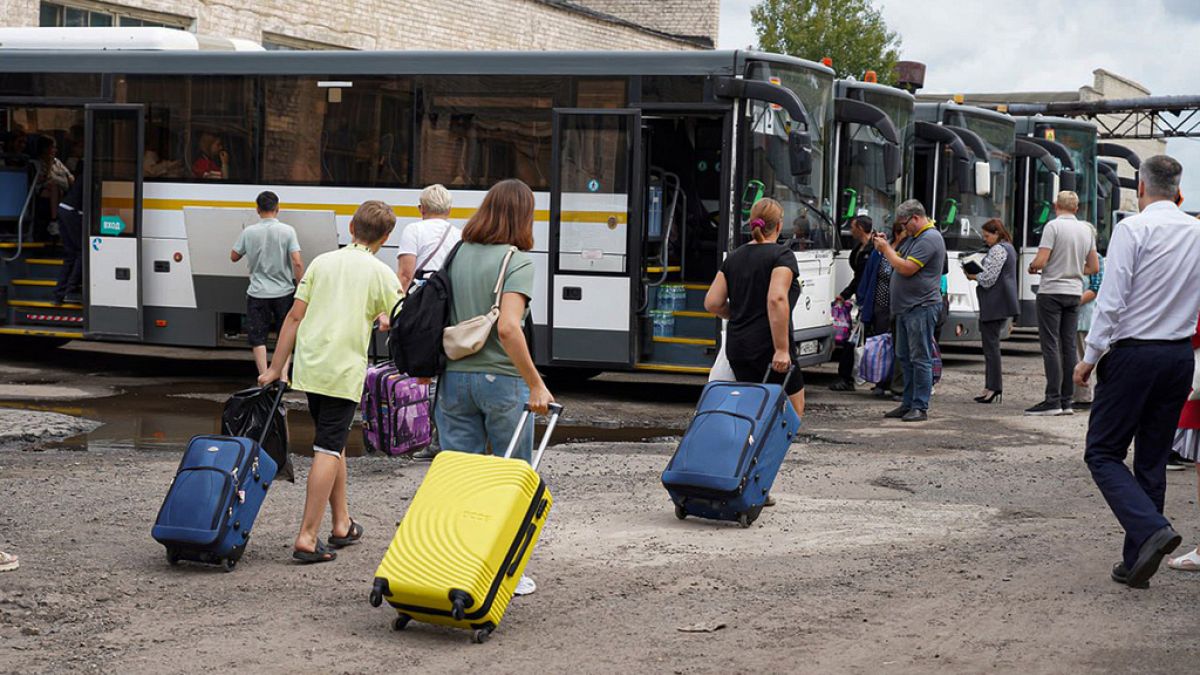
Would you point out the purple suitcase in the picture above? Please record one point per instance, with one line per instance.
(395, 412)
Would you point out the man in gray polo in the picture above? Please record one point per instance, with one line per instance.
(273, 252)
(1066, 254)
(916, 297)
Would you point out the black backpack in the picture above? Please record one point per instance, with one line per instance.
(415, 341)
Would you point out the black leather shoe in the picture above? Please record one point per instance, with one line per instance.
(896, 414)
(915, 415)
(1151, 553)
(1121, 576)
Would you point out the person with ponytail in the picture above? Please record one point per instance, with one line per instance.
(755, 291)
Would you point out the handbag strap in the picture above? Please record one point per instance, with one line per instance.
(445, 233)
(503, 273)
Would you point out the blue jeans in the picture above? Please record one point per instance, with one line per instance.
(914, 352)
(478, 409)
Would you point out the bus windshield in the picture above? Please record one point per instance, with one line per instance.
(864, 164)
(767, 164)
(1000, 138)
(1081, 145)
(1041, 203)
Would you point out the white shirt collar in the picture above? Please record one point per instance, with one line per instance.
(1161, 205)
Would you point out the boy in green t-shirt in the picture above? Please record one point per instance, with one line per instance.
(337, 301)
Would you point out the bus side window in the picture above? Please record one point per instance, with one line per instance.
(198, 127)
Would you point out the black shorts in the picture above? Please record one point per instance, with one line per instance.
(264, 315)
(332, 418)
(752, 370)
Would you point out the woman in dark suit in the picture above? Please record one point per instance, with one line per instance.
(998, 302)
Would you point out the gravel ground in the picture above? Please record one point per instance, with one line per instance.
(974, 542)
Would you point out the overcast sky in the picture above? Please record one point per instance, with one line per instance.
(1032, 45)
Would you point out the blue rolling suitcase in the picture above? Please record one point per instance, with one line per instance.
(731, 451)
(211, 505)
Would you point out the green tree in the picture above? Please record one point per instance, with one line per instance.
(851, 32)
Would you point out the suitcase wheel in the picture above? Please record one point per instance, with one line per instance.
(680, 512)
(481, 635)
(744, 519)
(172, 557)
(228, 564)
(401, 622)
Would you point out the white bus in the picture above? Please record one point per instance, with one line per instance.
(963, 178)
(874, 140)
(642, 164)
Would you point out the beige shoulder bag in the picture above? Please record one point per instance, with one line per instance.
(468, 337)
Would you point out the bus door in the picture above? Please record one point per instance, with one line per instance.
(594, 236)
(113, 216)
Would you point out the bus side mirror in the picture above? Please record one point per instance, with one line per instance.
(891, 163)
(983, 179)
(800, 153)
(1067, 180)
(1055, 184)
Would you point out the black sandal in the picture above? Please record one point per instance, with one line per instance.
(352, 537)
(320, 555)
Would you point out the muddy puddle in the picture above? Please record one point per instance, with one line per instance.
(164, 418)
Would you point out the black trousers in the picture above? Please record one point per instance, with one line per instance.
(990, 332)
(70, 277)
(1140, 392)
(846, 362)
(1058, 319)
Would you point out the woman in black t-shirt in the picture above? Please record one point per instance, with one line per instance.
(756, 291)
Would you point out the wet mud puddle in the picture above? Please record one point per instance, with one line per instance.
(164, 418)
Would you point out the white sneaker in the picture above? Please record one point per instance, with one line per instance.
(525, 586)
(8, 562)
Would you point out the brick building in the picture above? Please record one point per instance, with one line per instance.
(402, 24)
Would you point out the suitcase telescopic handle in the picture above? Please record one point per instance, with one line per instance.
(555, 412)
(281, 388)
(786, 378)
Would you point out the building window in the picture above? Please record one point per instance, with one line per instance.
(83, 14)
(274, 42)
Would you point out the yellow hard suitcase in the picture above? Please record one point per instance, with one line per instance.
(463, 544)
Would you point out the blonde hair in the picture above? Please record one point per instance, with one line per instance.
(435, 200)
(766, 217)
(1067, 201)
(373, 221)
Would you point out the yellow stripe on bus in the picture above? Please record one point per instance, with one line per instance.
(35, 282)
(344, 209)
(686, 341)
(666, 368)
(41, 333)
(42, 304)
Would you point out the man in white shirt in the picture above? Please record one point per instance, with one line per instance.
(1140, 347)
(425, 244)
(1066, 254)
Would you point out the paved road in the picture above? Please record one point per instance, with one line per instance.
(974, 542)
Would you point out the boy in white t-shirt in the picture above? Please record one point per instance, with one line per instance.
(425, 244)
